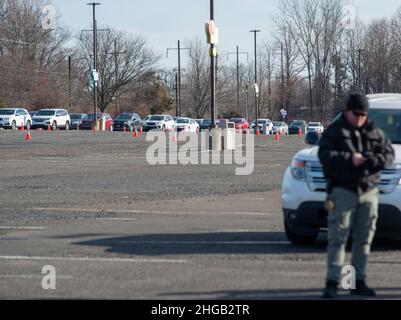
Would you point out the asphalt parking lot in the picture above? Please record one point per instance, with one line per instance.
(115, 227)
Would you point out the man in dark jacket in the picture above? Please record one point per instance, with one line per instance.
(353, 152)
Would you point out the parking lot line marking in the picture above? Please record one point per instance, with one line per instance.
(152, 212)
(21, 228)
(94, 259)
(29, 276)
(206, 242)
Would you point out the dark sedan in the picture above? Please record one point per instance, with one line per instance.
(128, 120)
(76, 120)
(297, 125)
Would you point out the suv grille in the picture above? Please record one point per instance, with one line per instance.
(317, 183)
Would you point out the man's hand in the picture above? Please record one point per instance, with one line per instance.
(358, 159)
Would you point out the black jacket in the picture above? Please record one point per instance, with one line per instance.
(337, 146)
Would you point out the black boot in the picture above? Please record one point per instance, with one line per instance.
(362, 290)
(330, 292)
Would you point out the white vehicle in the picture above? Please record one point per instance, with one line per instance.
(14, 118)
(280, 127)
(186, 125)
(159, 122)
(263, 123)
(315, 127)
(304, 184)
(55, 118)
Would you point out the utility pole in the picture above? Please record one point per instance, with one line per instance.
(282, 76)
(238, 75)
(116, 53)
(95, 84)
(178, 103)
(256, 80)
(69, 83)
(359, 69)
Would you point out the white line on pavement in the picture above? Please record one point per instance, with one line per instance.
(116, 219)
(20, 228)
(94, 259)
(29, 276)
(152, 212)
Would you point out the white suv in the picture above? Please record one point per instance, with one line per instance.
(14, 118)
(55, 118)
(159, 122)
(304, 184)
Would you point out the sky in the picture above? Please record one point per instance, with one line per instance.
(163, 22)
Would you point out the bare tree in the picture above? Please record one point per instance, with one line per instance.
(115, 79)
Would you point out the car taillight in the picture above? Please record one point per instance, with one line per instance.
(298, 169)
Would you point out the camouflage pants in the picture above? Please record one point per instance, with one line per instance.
(360, 214)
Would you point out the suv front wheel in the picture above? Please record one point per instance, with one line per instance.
(298, 238)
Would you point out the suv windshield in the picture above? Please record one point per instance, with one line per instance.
(296, 123)
(236, 120)
(7, 112)
(389, 121)
(182, 120)
(124, 116)
(75, 116)
(277, 124)
(45, 113)
(156, 118)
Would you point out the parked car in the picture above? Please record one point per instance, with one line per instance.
(297, 125)
(240, 124)
(263, 123)
(315, 126)
(304, 184)
(159, 122)
(222, 123)
(186, 125)
(128, 120)
(14, 118)
(204, 124)
(88, 122)
(55, 118)
(76, 120)
(280, 127)
(312, 137)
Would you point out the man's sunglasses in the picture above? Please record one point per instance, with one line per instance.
(359, 114)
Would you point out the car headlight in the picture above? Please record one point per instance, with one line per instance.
(298, 169)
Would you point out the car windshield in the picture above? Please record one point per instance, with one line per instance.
(124, 116)
(156, 118)
(46, 113)
(277, 124)
(182, 120)
(7, 112)
(314, 124)
(389, 121)
(296, 123)
(235, 120)
(261, 121)
(92, 116)
(75, 116)
(206, 122)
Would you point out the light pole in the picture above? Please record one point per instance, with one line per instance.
(94, 4)
(212, 73)
(238, 76)
(256, 81)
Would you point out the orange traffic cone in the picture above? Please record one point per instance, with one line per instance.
(28, 136)
(299, 132)
(257, 132)
(136, 134)
(125, 129)
(49, 128)
(140, 130)
(277, 137)
(21, 127)
(175, 138)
